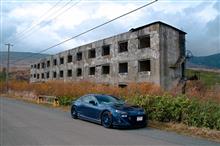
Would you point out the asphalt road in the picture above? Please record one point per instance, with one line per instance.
(24, 123)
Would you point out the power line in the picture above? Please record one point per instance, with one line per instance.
(35, 23)
(29, 32)
(90, 30)
(42, 16)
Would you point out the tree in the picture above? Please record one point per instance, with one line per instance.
(3, 74)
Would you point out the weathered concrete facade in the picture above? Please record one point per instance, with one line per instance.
(151, 53)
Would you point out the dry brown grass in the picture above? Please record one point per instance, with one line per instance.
(196, 89)
(76, 89)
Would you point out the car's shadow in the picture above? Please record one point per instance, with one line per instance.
(129, 128)
(116, 128)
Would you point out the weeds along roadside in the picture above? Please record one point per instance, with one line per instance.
(161, 106)
(180, 109)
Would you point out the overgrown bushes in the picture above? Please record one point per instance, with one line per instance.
(160, 106)
(65, 100)
(180, 109)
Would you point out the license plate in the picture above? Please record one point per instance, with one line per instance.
(139, 118)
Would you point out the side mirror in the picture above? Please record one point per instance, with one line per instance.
(92, 102)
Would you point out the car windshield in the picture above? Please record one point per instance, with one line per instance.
(109, 99)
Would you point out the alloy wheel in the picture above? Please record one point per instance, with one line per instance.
(107, 119)
(74, 112)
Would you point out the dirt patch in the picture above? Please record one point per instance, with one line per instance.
(186, 130)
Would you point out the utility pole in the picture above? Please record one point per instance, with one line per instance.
(7, 71)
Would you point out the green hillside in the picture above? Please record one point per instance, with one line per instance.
(211, 61)
(25, 58)
(209, 78)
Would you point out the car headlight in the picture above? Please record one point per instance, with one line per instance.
(124, 116)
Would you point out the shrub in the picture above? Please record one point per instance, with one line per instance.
(179, 106)
(203, 114)
(159, 106)
(65, 100)
(180, 109)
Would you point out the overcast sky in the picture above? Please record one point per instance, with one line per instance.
(33, 25)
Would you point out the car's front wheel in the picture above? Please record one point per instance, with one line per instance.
(107, 119)
(74, 112)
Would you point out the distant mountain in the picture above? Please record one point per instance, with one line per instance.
(20, 59)
(211, 61)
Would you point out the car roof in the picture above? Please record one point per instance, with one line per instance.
(97, 95)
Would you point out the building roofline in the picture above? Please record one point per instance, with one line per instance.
(156, 22)
(131, 30)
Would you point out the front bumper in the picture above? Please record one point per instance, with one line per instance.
(130, 121)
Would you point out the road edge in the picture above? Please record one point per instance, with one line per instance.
(178, 128)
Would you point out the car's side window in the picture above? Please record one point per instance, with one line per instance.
(86, 99)
(94, 99)
(89, 98)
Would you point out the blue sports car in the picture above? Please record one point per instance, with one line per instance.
(108, 111)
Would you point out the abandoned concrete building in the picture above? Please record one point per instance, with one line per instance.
(151, 53)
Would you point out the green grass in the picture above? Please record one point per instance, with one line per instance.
(2, 76)
(208, 78)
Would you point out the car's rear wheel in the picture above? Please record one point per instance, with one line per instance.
(107, 119)
(74, 112)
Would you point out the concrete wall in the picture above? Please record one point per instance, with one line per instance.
(170, 48)
(163, 51)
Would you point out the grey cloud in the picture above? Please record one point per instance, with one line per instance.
(217, 6)
(213, 27)
(202, 39)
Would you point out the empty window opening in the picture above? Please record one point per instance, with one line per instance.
(31, 66)
(35, 66)
(61, 60)
(54, 74)
(144, 65)
(42, 76)
(144, 42)
(79, 56)
(91, 53)
(105, 50)
(48, 75)
(34, 75)
(48, 63)
(105, 69)
(61, 73)
(122, 85)
(38, 66)
(69, 58)
(92, 71)
(123, 47)
(54, 62)
(79, 72)
(42, 65)
(38, 76)
(123, 67)
(69, 73)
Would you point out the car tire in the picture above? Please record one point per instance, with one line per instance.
(74, 112)
(106, 119)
